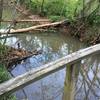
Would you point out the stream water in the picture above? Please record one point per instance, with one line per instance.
(81, 82)
(56, 45)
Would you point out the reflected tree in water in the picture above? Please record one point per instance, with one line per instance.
(85, 84)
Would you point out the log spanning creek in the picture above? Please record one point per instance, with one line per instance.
(81, 83)
(59, 85)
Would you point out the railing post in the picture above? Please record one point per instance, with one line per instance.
(72, 72)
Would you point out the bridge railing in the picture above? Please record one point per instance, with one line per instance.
(31, 76)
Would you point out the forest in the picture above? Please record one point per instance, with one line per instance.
(36, 32)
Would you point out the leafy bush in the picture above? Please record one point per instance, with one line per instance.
(35, 6)
(71, 9)
(55, 18)
(54, 8)
(96, 20)
(3, 49)
(4, 76)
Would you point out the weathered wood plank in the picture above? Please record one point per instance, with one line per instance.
(34, 75)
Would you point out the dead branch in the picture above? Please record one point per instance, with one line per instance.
(26, 20)
(12, 31)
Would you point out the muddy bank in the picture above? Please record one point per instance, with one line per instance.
(89, 34)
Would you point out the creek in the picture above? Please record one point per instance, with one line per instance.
(59, 85)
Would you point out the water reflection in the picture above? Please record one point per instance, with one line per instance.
(79, 82)
(82, 82)
(88, 84)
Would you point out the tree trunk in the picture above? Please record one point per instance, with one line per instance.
(72, 72)
(42, 6)
(1, 10)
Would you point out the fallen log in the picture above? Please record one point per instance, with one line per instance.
(26, 20)
(12, 31)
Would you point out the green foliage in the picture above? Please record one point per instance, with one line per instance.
(71, 9)
(96, 20)
(94, 17)
(8, 97)
(35, 6)
(52, 7)
(65, 8)
(3, 74)
(55, 18)
(3, 49)
(55, 7)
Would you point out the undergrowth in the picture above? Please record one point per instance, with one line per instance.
(64, 8)
(4, 75)
(69, 9)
